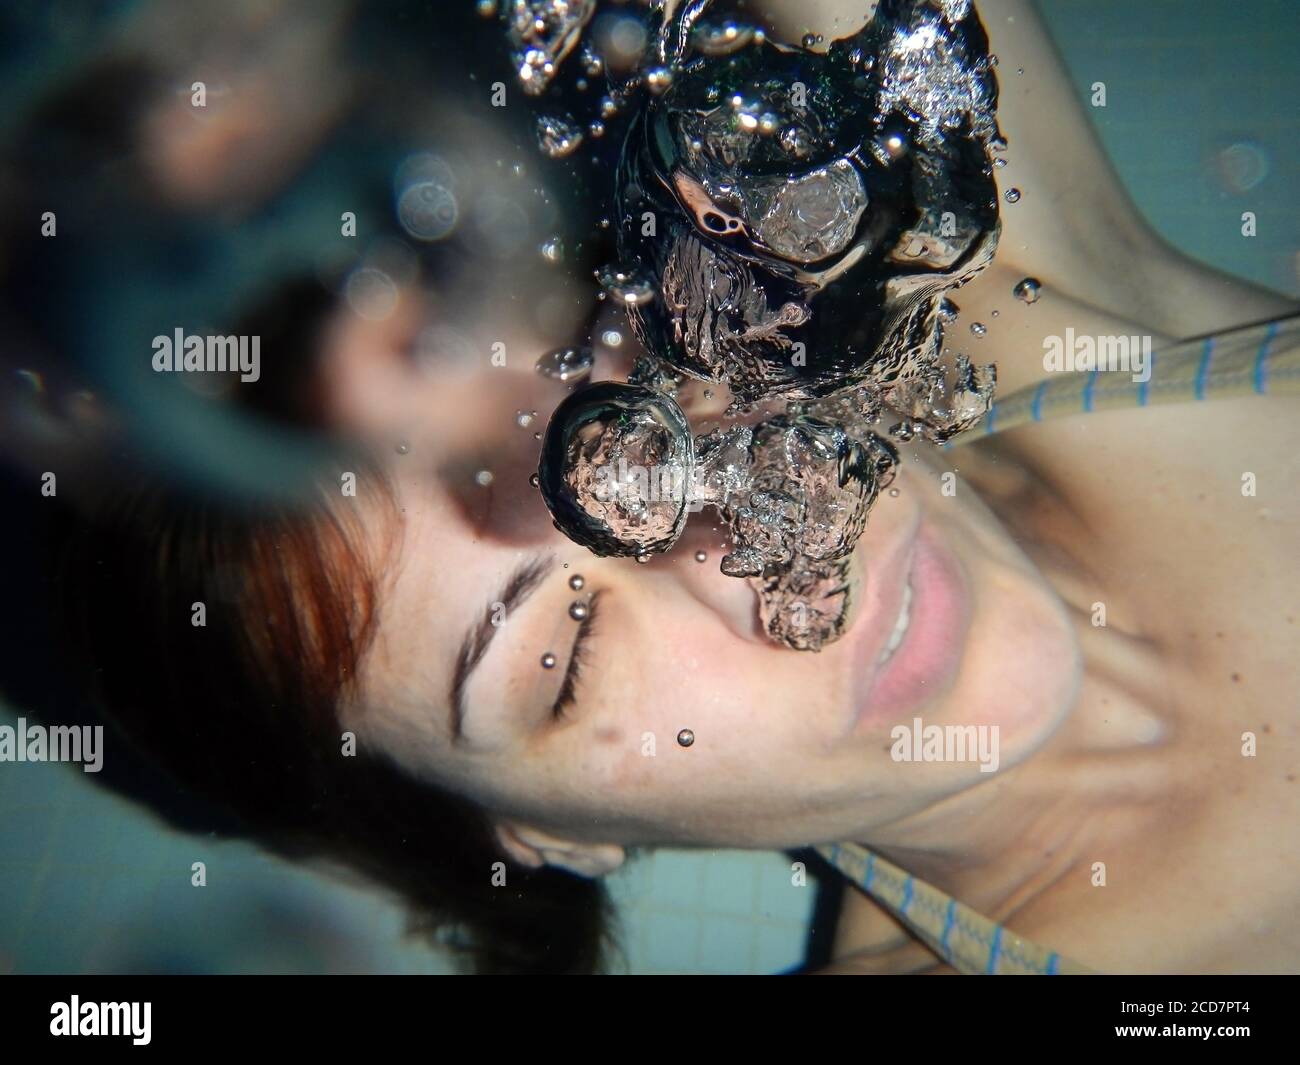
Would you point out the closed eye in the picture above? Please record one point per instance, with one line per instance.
(577, 660)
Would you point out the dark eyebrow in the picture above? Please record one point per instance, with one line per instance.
(522, 583)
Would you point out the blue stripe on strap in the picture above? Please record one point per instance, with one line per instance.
(908, 884)
(871, 870)
(1036, 409)
(994, 951)
(1144, 387)
(1203, 368)
(1261, 359)
(950, 918)
(1087, 391)
(1053, 964)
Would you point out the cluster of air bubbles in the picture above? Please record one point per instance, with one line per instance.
(558, 136)
(657, 79)
(813, 206)
(567, 365)
(1027, 290)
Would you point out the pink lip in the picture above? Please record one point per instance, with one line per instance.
(925, 664)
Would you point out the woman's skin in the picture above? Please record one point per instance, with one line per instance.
(1119, 744)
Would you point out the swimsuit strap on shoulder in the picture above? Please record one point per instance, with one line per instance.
(967, 940)
(1261, 359)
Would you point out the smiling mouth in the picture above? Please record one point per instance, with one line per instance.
(901, 624)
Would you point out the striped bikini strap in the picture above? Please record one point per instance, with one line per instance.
(967, 940)
(1261, 359)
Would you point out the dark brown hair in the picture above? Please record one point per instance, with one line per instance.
(242, 711)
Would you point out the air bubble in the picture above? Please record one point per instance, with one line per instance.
(631, 287)
(1012, 196)
(577, 582)
(1027, 290)
(428, 211)
(979, 329)
(616, 469)
(483, 478)
(579, 610)
(686, 737)
(548, 660)
(569, 365)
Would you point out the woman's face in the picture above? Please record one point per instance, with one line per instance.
(790, 748)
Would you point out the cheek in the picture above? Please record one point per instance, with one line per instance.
(710, 696)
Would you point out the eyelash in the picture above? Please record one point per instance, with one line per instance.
(568, 689)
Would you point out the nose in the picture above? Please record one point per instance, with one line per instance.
(687, 591)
